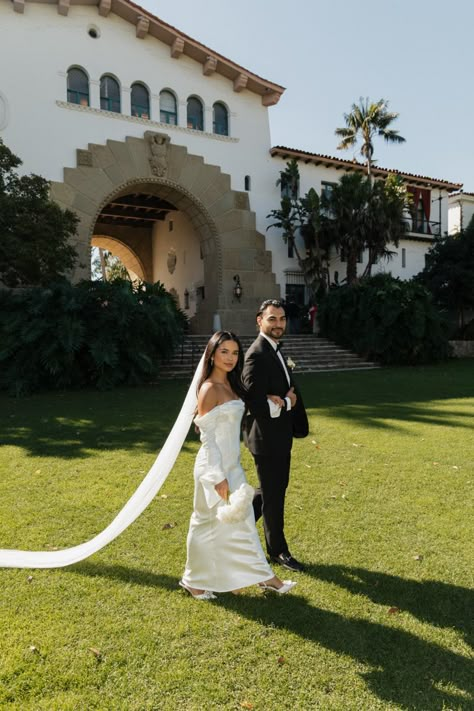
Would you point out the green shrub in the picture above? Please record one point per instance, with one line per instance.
(385, 319)
(96, 333)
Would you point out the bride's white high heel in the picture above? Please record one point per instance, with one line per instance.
(206, 595)
(286, 587)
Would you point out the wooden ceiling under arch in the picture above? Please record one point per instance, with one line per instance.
(135, 210)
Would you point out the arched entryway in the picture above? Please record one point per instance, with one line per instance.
(116, 180)
(120, 249)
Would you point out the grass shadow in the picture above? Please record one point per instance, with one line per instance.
(80, 423)
(391, 397)
(401, 668)
(431, 601)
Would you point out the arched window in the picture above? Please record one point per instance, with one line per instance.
(77, 87)
(168, 113)
(140, 101)
(220, 119)
(195, 114)
(109, 94)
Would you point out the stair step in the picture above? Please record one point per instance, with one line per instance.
(311, 354)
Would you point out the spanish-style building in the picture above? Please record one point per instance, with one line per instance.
(162, 147)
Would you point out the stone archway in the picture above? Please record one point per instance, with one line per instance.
(220, 216)
(127, 256)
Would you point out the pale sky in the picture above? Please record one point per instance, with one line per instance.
(417, 54)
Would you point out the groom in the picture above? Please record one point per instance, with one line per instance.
(271, 425)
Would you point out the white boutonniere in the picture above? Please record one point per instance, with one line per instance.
(290, 363)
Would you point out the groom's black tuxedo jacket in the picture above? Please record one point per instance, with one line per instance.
(263, 375)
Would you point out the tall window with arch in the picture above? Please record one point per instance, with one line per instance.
(109, 94)
(140, 101)
(168, 110)
(195, 114)
(220, 119)
(77, 87)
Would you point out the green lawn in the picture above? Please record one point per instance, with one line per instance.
(380, 507)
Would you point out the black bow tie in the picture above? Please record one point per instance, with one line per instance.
(279, 346)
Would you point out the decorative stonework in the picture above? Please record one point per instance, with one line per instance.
(220, 217)
(209, 66)
(158, 145)
(104, 7)
(142, 121)
(84, 158)
(63, 7)
(143, 25)
(271, 98)
(171, 260)
(240, 82)
(177, 48)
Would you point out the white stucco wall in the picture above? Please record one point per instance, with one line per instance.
(46, 135)
(461, 211)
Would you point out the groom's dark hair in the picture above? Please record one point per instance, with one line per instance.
(269, 302)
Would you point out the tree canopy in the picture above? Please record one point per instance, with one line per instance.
(34, 230)
(356, 215)
(449, 272)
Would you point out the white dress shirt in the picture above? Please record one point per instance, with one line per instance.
(275, 410)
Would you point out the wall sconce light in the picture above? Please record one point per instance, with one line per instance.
(238, 287)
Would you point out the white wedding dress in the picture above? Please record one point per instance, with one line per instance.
(221, 556)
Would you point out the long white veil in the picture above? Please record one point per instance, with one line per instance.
(138, 502)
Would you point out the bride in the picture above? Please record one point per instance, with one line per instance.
(223, 554)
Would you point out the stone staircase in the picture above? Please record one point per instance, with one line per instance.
(310, 354)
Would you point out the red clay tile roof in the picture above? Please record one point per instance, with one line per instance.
(319, 159)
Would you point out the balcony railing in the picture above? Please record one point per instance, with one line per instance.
(426, 227)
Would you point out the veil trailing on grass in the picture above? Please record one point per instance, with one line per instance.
(138, 502)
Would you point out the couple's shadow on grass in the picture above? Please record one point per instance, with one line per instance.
(402, 668)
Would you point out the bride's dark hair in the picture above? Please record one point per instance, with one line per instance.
(235, 375)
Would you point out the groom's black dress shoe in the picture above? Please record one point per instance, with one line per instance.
(287, 561)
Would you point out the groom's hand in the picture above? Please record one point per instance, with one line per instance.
(292, 395)
(277, 400)
(222, 489)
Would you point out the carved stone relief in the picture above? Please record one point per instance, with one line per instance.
(158, 144)
(84, 157)
(171, 260)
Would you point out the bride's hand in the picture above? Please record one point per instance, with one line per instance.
(277, 400)
(222, 489)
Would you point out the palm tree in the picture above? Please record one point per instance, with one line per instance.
(366, 120)
(344, 222)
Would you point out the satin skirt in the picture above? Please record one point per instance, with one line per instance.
(222, 556)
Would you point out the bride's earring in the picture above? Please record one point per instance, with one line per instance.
(212, 362)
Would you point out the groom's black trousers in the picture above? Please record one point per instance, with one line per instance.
(269, 500)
